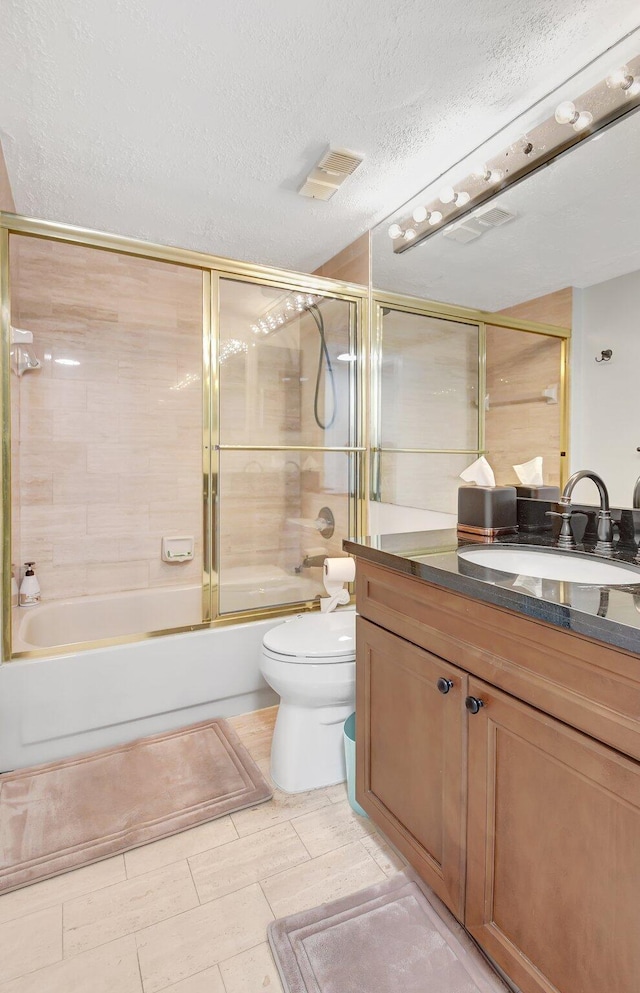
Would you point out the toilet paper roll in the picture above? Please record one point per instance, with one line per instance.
(342, 570)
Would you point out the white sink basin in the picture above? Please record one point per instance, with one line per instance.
(543, 563)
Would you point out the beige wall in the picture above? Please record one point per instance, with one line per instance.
(109, 449)
(352, 264)
(520, 422)
(6, 195)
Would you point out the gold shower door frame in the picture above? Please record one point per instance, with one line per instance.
(460, 315)
(213, 268)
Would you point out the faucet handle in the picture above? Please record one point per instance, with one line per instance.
(565, 538)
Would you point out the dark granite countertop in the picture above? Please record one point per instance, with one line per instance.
(610, 614)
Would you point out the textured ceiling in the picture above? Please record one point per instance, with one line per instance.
(576, 224)
(193, 124)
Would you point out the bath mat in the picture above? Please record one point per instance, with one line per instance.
(393, 937)
(65, 814)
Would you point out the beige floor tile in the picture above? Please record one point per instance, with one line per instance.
(51, 892)
(325, 878)
(337, 793)
(209, 981)
(179, 846)
(282, 807)
(248, 860)
(331, 827)
(111, 968)
(388, 860)
(251, 972)
(30, 943)
(118, 910)
(200, 938)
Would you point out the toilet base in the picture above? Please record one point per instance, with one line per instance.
(307, 750)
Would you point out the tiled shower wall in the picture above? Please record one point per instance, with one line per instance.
(109, 429)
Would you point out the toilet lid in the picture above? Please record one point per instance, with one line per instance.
(317, 637)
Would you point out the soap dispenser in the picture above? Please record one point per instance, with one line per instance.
(29, 587)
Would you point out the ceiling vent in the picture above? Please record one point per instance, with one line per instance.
(463, 232)
(493, 217)
(336, 165)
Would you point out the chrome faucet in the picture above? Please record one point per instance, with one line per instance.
(604, 544)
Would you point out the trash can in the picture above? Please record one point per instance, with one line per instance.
(350, 760)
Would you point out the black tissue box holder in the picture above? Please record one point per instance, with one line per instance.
(486, 512)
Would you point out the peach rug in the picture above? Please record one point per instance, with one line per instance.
(66, 814)
(394, 937)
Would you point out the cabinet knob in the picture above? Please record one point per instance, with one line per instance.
(473, 704)
(444, 685)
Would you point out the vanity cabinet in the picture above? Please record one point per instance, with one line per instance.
(526, 827)
(414, 729)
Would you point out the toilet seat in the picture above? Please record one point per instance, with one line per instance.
(314, 638)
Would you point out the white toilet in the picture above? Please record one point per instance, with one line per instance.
(310, 662)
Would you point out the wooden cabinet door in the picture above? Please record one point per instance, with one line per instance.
(553, 851)
(411, 753)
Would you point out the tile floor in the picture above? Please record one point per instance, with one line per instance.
(188, 914)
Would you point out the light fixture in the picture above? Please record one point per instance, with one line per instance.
(487, 175)
(529, 150)
(623, 79)
(449, 195)
(567, 113)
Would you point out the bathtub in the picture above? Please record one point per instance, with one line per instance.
(55, 706)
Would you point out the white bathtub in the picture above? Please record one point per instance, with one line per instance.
(56, 706)
(57, 623)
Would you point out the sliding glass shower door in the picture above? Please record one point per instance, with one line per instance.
(288, 459)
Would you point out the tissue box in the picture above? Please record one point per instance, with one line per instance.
(551, 493)
(487, 511)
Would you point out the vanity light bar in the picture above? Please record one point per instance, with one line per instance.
(609, 100)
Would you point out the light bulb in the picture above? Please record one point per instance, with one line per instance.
(480, 171)
(582, 121)
(566, 112)
(409, 234)
(435, 217)
(462, 198)
(633, 89)
(420, 214)
(395, 231)
(447, 194)
(495, 176)
(618, 77)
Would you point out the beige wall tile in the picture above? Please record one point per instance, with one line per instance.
(50, 892)
(111, 577)
(251, 972)
(194, 941)
(202, 838)
(327, 829)
(112, 968)
(248, 860)
(326, 878)
(30, 943)
(128, 906)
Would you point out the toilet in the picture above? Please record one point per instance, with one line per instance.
(310, 662)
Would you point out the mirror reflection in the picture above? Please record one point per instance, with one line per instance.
(561, 248)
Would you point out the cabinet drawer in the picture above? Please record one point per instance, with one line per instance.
(582, 682)
(411, 753)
